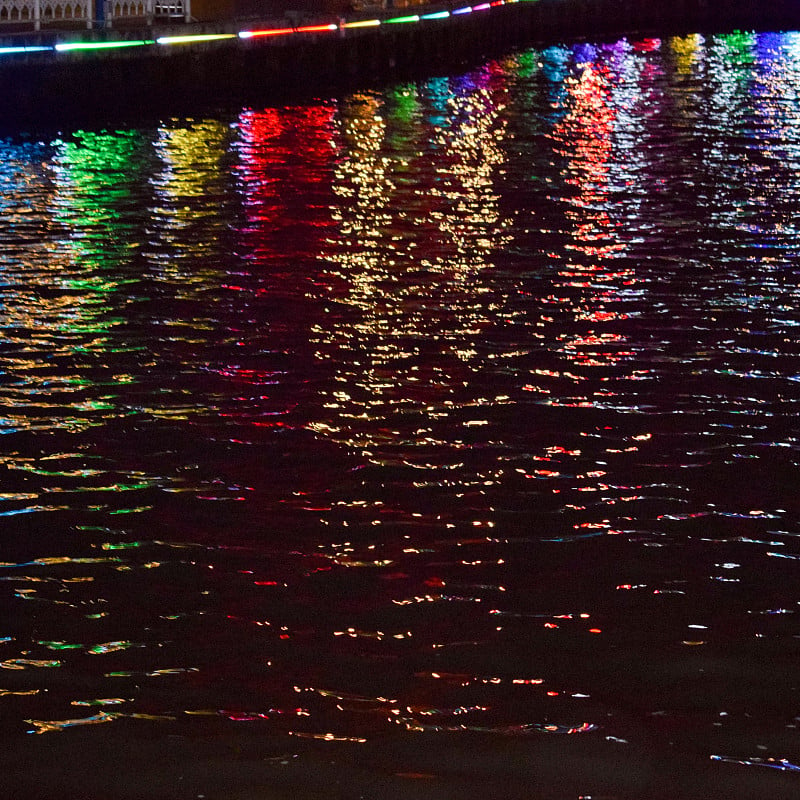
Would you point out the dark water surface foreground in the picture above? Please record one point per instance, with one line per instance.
(439, 442)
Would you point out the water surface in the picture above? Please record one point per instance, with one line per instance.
(424, 442)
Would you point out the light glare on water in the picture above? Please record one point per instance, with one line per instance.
(455, 415)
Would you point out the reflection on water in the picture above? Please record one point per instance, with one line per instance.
(467, 406)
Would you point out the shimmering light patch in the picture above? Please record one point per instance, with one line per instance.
(117, 487)
(352, 698)
(26, 663)
(56, 726)
(51, 726)
(328, 737)
(57, 560)
(74, 473)
(524, 729)
(156, 673)
(772, 763)
(17, 496)
(105, 701)
(30, 510)
(355, 633)
(463, 10)
(687, 50)
(134, 510)
(467, 679)
(445, 712)
(120, 545)
(110, 647)
(254, 716)
(436, 15)
(345, 561)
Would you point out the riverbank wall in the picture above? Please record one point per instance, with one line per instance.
(56, 71)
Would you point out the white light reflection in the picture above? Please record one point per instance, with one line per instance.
(411, 256)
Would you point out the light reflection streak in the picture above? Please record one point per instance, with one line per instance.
(782, 764)
(405, 271)
(595, 131)
(688, 52)
(189, 191)
(56, 296)
(45, 726)
(503, 730)
(70, 300)
(328, 737)
(105, 701)
(282, 154)
(376, 256)
(58, 726)
(26, 663)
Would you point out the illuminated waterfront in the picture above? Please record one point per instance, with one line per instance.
(416, 442)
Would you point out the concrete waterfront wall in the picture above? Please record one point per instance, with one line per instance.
(147, 79)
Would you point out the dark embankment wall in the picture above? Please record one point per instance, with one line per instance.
(138, 82)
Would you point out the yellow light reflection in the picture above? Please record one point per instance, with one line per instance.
(190, 188)
(687, 52)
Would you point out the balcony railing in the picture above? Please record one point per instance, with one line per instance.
(37, 13)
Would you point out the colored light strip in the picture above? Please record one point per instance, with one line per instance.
(363, 23)
(317, 28)
(66, 46)
(8, 50)
(267, 32)
(206, 37)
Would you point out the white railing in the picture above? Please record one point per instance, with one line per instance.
(36, 12)
(50, 12)
(125, 9)
(146, 10)
(172, 8)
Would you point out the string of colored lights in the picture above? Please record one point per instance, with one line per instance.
(342, 25)
(62, 47)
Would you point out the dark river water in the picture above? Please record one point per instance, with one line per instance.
(438, 441)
